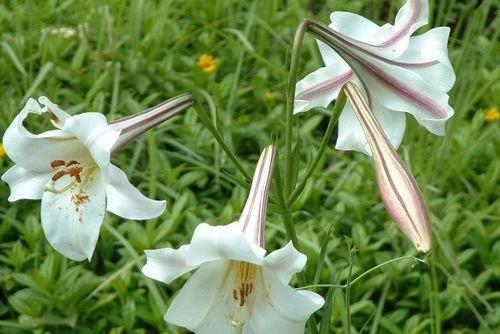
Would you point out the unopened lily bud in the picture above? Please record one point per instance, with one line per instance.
(133, 126)
(399, 190)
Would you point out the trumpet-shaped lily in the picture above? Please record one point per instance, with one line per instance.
(398, 73)
(399, 190)
(236, 288)
(69, 169)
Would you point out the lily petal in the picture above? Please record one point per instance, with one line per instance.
(279, 309)
(59, 116)
(124, 200)
(41, 148)
(401, 89)
(351, 134)
(25, 184)
(285, 262)
(330, 57)
(71, 220)
(93, 131)
(389, 40)
(431, 46)
(203, 304)
(166, 264)
(353, 26)
(322, 86)
(212, 243)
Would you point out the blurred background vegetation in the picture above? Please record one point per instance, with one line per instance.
(118, 57)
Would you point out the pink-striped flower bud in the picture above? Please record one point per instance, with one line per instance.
(399, 190)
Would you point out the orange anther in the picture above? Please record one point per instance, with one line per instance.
(71, 162)
(58, 175)
(75, 172)
(57, 163)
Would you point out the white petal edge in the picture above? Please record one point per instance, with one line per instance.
(225, 242)
(321, 87)
(354, 26)
(25, 184)
(203, 305)
(421, 99)
(431, 46)
(124, 200)
(281, 309)
(166, 264)
(285, 262)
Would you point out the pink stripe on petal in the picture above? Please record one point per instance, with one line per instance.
(415, 12)
(328, 35)
(325, 86)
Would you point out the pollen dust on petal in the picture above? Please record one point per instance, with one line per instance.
(79, 200)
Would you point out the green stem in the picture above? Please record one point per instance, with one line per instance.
(337, 109)
(348, 292)
(436, 319)
(286, 215)
(208, 124)
(290, 93)
(363, 274)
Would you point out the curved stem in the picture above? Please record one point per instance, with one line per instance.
(290, 93)
(363, 274)
(386, 263)
(202, 113)
(337, 109)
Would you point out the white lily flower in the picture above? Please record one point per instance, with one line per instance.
(236, 288)
(398, 73)
(69, 169)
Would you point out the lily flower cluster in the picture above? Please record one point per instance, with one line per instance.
(384, 71)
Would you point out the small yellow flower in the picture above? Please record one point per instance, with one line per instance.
(492, 114)
(270, 96)
(207, 63)
(2, 151)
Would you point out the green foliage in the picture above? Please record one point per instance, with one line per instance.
(125, 56)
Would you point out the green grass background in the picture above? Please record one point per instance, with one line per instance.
(129, 55)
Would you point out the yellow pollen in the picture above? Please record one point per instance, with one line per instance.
(492, 115)
(2, 151)
(207, 63)
(244, 282)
